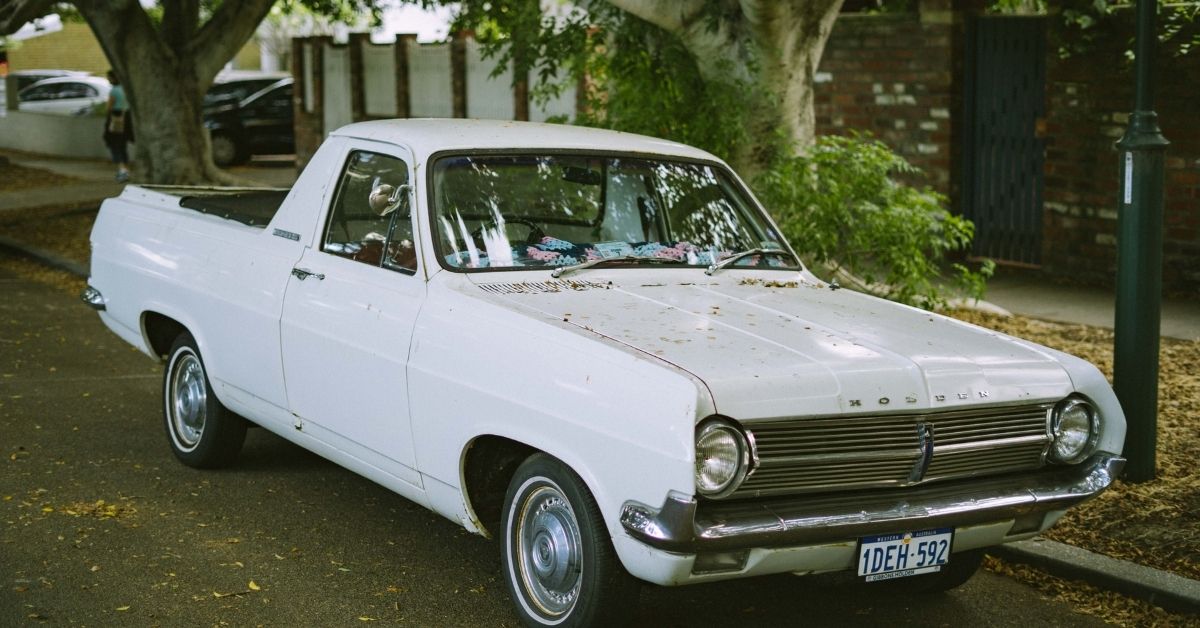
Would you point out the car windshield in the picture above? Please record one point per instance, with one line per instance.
(522, 211)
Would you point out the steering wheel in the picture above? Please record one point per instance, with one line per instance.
(534, 236)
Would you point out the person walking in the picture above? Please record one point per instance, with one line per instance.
(118, 127)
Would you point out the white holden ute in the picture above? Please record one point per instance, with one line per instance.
(597, 348)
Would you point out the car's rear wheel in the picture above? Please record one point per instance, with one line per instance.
(558, 559)
(225, 150)
(202, 432)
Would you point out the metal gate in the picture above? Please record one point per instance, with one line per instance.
(1004, 152)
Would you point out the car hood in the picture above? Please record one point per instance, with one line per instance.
(771, 345)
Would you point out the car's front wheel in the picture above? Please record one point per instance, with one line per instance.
(558, 558)
(954, 574)
(201, 431)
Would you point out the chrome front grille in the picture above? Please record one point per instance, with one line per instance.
(824, 454)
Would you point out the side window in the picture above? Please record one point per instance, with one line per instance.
(371, 221)
(41, 92)
(73, 90)
(280, 99)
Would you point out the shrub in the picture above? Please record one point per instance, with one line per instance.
(841, 208)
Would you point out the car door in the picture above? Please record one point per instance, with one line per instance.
(38, 98)
(348, 316)
(267, 121)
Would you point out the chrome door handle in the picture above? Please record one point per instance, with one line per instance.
(302, 274)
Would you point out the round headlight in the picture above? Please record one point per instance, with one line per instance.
(721, 458)
(1074, 428)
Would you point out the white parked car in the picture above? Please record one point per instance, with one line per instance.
(25, 78)
(596, 348)
(68, 96)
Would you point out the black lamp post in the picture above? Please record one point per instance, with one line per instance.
(1139, 260)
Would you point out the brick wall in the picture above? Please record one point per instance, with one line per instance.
(895, 76)
(1089, 97)
(900, 77)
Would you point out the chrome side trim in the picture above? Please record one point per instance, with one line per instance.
(682, 525)
(93, 299)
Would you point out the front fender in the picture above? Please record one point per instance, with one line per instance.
(623, 423)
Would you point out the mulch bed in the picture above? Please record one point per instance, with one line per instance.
(14, 177)
(62, 230)
(1154, 523)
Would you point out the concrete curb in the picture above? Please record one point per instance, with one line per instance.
(48, 258)
(1167, 590)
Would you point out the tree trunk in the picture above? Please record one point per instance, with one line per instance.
(172, 143)
(768, 50)
(165, 70)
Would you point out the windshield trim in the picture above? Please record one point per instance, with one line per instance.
(431, 200)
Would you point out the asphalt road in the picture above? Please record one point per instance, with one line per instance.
(99, 525)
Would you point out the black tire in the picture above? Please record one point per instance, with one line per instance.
(226, 150)
(202, 432)
(556, 553)
(954, 574)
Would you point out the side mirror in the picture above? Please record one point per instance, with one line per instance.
(380, 199)
(385, 198)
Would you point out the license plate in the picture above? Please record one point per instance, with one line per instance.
(904, 554)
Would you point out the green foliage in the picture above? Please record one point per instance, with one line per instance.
(1180, 28)
(649, 84)
(839, 204)
(348, 11)
(1093, 21)
(640, 78)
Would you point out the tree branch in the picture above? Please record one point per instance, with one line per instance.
(669, 15)
(227, 31)
(123, 30)
(16, 13)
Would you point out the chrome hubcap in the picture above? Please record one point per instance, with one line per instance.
(549, 549)
(189, 399)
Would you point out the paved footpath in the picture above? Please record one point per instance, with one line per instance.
(1026, 294)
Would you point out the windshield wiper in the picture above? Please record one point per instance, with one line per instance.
(715, 266)
(562, 270)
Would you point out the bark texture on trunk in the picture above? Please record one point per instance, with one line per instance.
(165, 69)
(767, 49)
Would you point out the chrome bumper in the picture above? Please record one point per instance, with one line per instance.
(682, 525)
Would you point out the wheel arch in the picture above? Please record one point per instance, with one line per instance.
(487, 466)
(160, 331)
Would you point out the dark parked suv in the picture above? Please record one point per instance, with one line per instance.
(259, 124)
